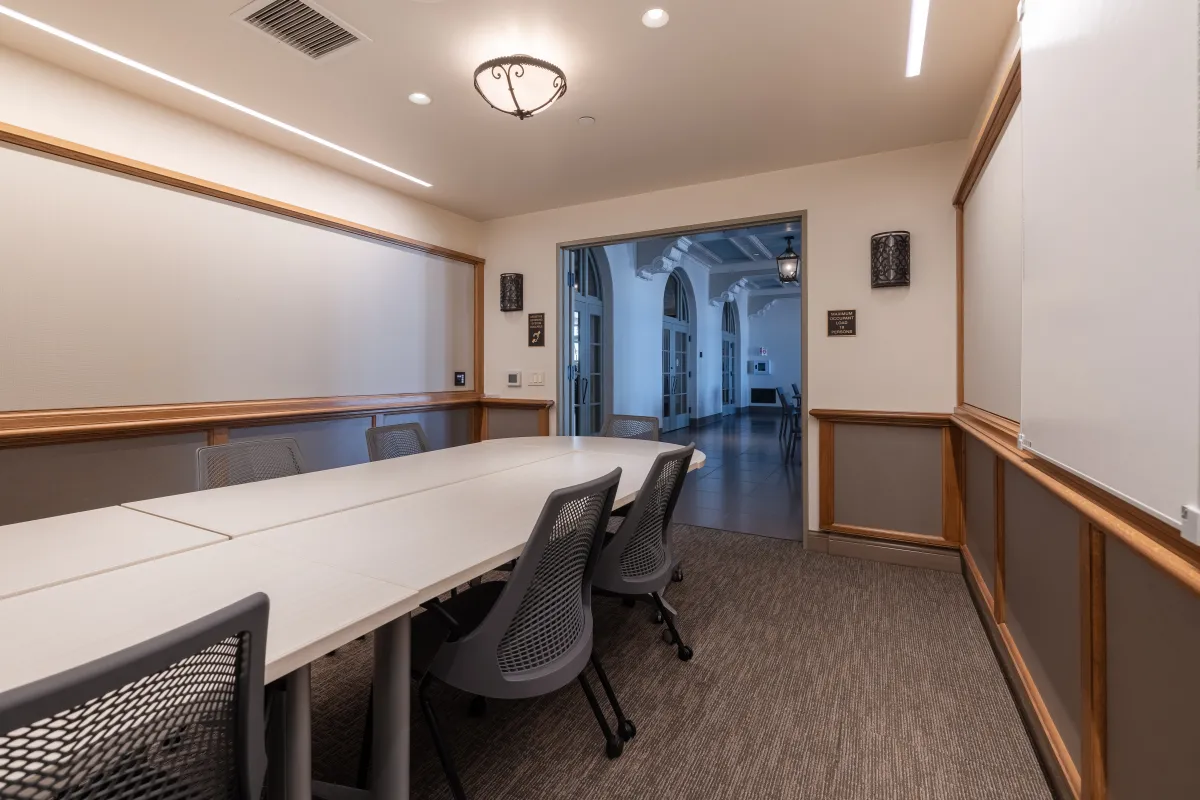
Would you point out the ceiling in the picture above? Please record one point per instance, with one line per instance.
(739, 261)
(726, 89)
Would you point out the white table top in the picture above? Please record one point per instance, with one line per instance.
(438, 539)
(49, 551)
(239, 510)
(314, 608)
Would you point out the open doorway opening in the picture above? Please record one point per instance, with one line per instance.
(696, 330)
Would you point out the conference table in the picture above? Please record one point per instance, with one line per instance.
(340, 553)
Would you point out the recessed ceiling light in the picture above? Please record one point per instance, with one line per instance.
(586, 121)
(182, 84)
(655, 18)
(916, 37)
(420, 98)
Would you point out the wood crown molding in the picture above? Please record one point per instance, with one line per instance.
(1153, 539)
(20, 428)
(988, 137)
(902, 418)
(72, 151)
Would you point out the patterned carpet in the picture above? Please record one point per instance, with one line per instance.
(814, 677)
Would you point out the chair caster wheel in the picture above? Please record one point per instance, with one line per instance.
(614, 748)
(677, 575)
(657, 618)
(478, 706)
(628, 602)
(685, 653)
(627, 730)
(667, 636)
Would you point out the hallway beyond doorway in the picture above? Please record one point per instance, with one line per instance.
(745, 484)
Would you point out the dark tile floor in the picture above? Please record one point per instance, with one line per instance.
(745, 484)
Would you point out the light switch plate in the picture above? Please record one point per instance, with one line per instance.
(460, 379)
(537, 379)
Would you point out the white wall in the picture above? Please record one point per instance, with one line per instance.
(903, 358)
(637, 335)
(778, 330)
(50, 100)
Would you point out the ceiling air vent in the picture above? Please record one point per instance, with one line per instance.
(302, 26)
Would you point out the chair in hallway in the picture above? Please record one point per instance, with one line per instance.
(394, 441)
(624, 426)
(176, 716)
(637, 561)
(786, 410)
(796, 394)
(235, 463)
(532, 634)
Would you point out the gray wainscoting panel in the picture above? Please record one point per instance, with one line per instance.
(37, 482)
(1153, 705)
(449, 428)
(888, 477)
(981, 507)
(505, 423)
(324, 445)
(1041, 588)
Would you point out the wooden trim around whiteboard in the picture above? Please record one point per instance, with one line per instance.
(22, 428)
(72, 151)
(989, 135)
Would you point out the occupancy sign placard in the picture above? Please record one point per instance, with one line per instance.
(843, 323)
(537, 330)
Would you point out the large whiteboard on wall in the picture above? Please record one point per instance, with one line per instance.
(115, 291)
(1110, 381)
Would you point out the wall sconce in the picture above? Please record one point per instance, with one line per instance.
(890, 259)
(512, 291)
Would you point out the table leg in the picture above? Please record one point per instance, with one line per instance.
(393, 677)
(298, 776)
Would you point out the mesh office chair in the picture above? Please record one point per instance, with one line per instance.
(623, 426)
(532, 634)
(246, 462)
(174, 718)
(786, 413)
(637, 561)
(394, 441)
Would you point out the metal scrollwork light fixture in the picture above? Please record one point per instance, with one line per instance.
(520, 85)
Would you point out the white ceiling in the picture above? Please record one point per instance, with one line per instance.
(728, 88)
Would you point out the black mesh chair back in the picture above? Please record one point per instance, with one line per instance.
(623, 426)
(538, 635)
(796, 391)
(394, 441)
(177, 717)
(638, 559)
(247, 462)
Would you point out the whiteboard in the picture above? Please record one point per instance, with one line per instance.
(116, 291)
(992, 266)
(1110, 378)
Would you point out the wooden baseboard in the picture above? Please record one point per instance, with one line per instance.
(1063, 780)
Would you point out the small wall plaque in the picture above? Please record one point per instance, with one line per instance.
(843, 323)
(537, 330)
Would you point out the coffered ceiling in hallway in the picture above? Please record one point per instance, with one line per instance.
(728, 88)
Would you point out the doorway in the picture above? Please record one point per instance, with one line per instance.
(729, 359)
(587, 344)
(677, 338)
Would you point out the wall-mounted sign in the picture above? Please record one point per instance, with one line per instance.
(537, 330)
(843, 323)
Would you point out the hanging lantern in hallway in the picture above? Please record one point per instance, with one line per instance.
(788, 263)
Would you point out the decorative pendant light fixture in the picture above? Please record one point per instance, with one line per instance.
(520, 85)
(788, 264)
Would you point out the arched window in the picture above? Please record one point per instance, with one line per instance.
(589, 277)
(729, 318)
(675, 302)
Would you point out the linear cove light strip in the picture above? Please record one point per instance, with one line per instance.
(140, 67)
(916, 37)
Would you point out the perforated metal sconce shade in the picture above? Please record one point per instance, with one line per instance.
(890, 259)
(512, 291)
